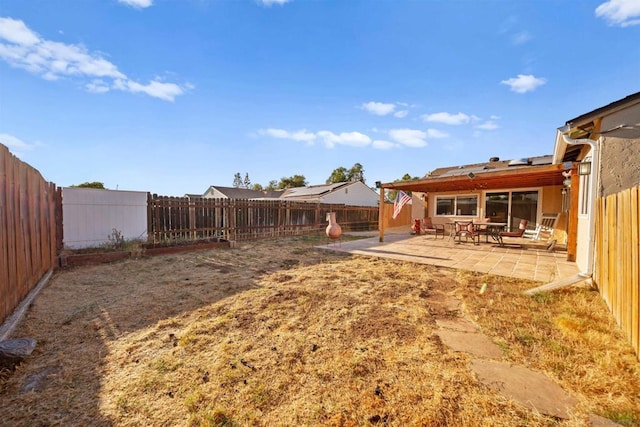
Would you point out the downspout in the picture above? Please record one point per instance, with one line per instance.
(595, 174)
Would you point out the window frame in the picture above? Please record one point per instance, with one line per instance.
(584, 193)
(455, 204)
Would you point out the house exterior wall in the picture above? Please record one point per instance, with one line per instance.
(90, 216)
(356, 194)
(212, 193)
(620, 164)
(550, 200)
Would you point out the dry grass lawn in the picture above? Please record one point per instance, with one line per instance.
(279, 333)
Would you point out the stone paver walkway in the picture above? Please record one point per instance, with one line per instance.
(532, 389)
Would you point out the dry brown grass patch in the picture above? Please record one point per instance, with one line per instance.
(278, 333)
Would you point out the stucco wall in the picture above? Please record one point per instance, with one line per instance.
(620, 160)
(552, 202)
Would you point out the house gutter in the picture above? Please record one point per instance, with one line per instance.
(595, 174)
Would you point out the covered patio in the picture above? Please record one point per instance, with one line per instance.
(530, 261)
(477, 180)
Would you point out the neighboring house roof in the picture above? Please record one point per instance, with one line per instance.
(245, 193)
(326, 193)
(313, 191)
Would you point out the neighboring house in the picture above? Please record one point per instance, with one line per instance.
(502, 190)
(349, 193)
(217, 192)
(193, 196)
(606, 142)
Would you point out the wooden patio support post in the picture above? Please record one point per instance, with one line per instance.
(381, 216)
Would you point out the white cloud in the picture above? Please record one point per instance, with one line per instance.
(380, 144)
(520, 38)
(354, 139)
(436, 134)
(400, 137)
(448, 118)
(140, 4)
(97, 86)
(524, 83)
(22, 48)
(155, 88)
(17, 32)
(409, 137)
(401, 114)
(300, 135)
(16, 144)
(272, 2)
(488, 125)
(378, 108)
(623, 13)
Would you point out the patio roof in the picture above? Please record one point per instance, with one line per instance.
(516, 177)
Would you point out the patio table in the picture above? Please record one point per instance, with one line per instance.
(452, 229)
(492, 229)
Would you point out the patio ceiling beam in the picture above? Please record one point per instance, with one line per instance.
(531, 176)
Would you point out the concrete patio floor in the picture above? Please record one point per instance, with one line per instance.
(530, 262)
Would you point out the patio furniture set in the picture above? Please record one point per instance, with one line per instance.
(495, 230)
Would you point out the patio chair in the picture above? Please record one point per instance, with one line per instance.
(545, 229)
(521, 229)
(466, 229)
(428, 227)
(484, 229)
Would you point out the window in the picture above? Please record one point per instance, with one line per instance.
(585, 194)
(457, 205)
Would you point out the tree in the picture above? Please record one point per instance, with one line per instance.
(237, 180)
(257, 187)
(247, 181)
(94, 184)
(406, 177)
(342, 174)
(293, 181)
(272, 186)
(338, 175)
(356, 173)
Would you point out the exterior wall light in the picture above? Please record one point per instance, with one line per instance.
(584, 168)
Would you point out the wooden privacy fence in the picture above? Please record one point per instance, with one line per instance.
(182, 218)
(403, 218)
(27, 230)
(617, 251)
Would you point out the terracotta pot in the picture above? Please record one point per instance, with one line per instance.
(333, 229)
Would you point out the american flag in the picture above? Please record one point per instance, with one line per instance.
(401, 199)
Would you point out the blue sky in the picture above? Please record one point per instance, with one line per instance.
(172, 96)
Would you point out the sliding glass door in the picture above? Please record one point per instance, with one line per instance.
(512, 207)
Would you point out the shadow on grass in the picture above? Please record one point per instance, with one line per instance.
(84, 311)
